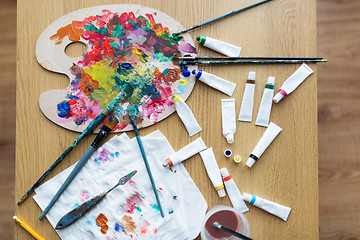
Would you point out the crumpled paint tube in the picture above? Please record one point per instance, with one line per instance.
(228, 116)
(219, 46)
(234, 194)
(216, 82)
(186, 152)
(269, 135)
(248, 99)
(293, 82)
(263, 116)
(213, 171)
(268, 206)
(186, 116)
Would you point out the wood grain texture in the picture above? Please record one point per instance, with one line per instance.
(286, 173)
(339, 117)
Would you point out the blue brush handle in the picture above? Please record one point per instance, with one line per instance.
(222, 16)
(69, 179)
(133, 122)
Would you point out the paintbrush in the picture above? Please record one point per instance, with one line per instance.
(132, 111)
(78, 212)
(122, 95)
(250, 61)
(104, 131)
(208, 58)
(232, 232)
(220, 17)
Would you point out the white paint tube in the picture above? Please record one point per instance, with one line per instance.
(216, 82)
(234, 194)
(263, 116)
(186, 152)
(186, 116)
(213, 171)
(268, 206)
(248, 99)
(269, 135)
(219, 46)
(228, 116)
(293, 82)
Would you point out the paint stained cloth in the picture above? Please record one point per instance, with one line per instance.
(180, 198)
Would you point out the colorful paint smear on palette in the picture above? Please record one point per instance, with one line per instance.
(123, 49)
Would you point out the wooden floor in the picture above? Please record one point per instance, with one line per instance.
(338, 28)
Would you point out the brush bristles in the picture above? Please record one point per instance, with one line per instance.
(217, 225)
(111, 123)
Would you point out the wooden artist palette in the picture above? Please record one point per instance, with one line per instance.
(125, 44)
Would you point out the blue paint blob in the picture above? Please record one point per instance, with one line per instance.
(171, 212)
(69, 96)
(88, 223)
(64, 110)
(80, 120)
(117, 154)
(182, 89)
(118, 227)
(186, 73)
(183, 67)
(151, 91)
(97, 161)
(126, 65)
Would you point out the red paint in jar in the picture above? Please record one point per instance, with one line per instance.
(225, 217)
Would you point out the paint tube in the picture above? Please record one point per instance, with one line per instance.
(186, 116)
(212, 170)
(219, 46)
(248, 99)
(186, 152)
(234, 194)
(293, 82)
(228, 119)
(269, 135)
(216, 82)
(266, 205)
(263, 116)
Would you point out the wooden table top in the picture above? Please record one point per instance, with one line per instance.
(287, 173)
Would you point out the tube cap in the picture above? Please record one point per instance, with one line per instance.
(271, 80)
(229, 138)
(237, 158)
(247, 197)
(169, 162)
(250, 162)
(221, 192)
(227, 153)
(251, 75)
(278, 97)
(224, 172)
(176, 98)
(197, 73)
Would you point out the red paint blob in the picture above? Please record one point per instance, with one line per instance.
(227, 218)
